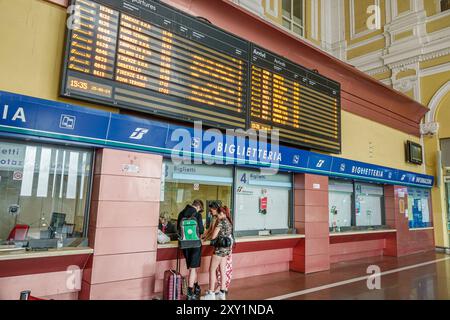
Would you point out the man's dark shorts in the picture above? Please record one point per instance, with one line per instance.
(193, 257)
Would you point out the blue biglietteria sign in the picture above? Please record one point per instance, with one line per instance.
(43, 119)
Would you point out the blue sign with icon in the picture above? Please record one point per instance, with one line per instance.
(32, 117)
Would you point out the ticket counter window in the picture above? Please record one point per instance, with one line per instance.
(340, 204)
(355, 206)
(419, 208)
(263, 202)
(369, 203)
(43, 194)
(181, 184)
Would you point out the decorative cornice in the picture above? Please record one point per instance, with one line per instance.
(405, 64)
(435, 54)
(402, 65)
(376, 71)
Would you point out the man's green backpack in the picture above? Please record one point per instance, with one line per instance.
(190, 234)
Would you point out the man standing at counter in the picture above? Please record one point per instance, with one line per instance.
(193, 255)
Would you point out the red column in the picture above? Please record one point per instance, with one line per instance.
(311, 219)
(123, 226)
(391, 207)
(404, 241)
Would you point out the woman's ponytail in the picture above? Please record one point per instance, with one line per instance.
(227, 212)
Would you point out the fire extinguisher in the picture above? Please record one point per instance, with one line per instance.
(263, 202)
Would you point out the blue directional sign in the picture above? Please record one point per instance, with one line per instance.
(31, 117)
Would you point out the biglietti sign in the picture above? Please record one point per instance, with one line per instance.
(32, 117)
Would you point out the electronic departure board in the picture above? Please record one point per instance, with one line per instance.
(302, 105)
(154, 59)
(147, 56)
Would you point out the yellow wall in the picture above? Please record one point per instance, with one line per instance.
(308, 22)
(403, 6)
(369, 141)
(406, 73)
(403, 35)
(383, 76)
(32, 34)
(435, 62)
(443, 116)
(438, 24)
(361, 15)
(429, 85)
(363, 50)
(360, 21)
(430, 7)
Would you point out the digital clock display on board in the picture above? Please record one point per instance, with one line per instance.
(156, 59)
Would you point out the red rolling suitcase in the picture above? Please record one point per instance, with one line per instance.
(173, 283)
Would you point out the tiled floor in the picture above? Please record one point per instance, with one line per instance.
(428, 281)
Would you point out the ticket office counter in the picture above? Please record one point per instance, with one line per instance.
(260, 202)
(44, 196)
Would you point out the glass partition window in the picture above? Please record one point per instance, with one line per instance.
(263, 201)
(354, 205)
(368, 204)
(340, 204)
(43, 193)
(419, 208)
(181, 184)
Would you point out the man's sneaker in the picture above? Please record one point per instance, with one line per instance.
(221, 296)
(210, 295)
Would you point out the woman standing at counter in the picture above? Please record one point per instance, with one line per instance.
(222, 238)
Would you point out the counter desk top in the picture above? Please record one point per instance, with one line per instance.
(174, 244)
(21, 253)
(355, 232)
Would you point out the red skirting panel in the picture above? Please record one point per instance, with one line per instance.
(12, 268)
(357, 246)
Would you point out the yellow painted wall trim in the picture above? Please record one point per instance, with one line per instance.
(403, 35)
(363, 50)
(406, 73)
(439, 24)
(434, 62)
(383, 76)
(430, 7)
(404, 6)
